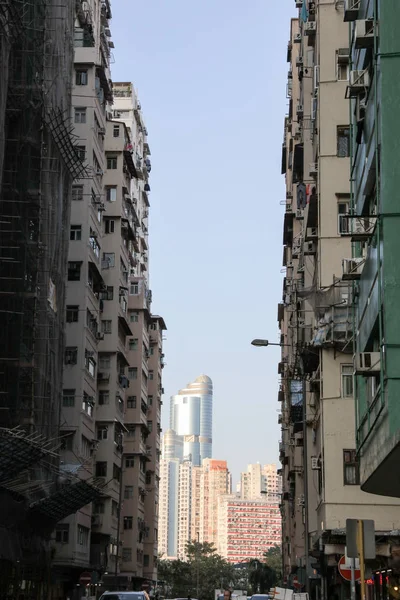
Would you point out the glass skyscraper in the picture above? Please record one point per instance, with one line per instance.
(191, 420)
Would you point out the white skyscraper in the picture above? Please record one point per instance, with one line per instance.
(191, 419)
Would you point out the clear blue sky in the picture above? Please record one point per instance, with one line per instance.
(211, 77)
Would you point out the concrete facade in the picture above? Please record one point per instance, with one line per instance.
(320, 463)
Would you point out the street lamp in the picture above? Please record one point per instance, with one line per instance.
(258, 342)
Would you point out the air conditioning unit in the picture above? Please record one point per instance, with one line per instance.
(352, 268)
(343, 55)
(297, 38)
(301, 500)
(117, 114)
(315, 463)
(299, 61)
(99, 172)
(312, 233)
(299, 110)
(299, 3)
(358, 83)
(139, 106)
(310, 248)
(368, 362)
(102, 131)
(351, 10)
(310, 28)
(364, 34)
(363, 228)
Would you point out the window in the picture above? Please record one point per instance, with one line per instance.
(105, 362)
(68, 397)
(351, 475)
(128, 492)
(77, 192)
(151, 351)
(116, 131)
(128, 522)
(347, 381)
(86, 447)
(101, 469)
(81, 152)
(132, 373)
(104, 397)
(133, 344)
(99, 508)
(83, 535)
(151, 375)
(134, 288)
(75, 233)
(150, 399)
(134, 316)
(94, 244)
(71, 355)
(146, 560)
(131, 431)
(62, 533)
(126, 554)
(102, 432)
(150, 425)
(148, 477)
(90, 363)
(131, 402)
(111, 193)
(109, 257)
(343, 141)
(109, 225)
(81, 77)
(74, 271)
(87, 404)
(153, 326)
(112, 162)
(109, 294)
(116, 472)
(343, 220)
(343, 71)
(129, 461)
(67, 440)
(80, 115)
(72, 314)
(106, 326)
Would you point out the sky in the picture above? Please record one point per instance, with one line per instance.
(211, 77)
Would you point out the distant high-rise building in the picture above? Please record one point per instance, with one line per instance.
(191, 419)
(260, 480)
(215, 481)
(247, 528)
(189, 503)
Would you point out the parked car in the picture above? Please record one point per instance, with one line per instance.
(124, 596)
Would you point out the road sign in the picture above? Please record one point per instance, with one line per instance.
(344, 567)
(85, 578)
(368, 535)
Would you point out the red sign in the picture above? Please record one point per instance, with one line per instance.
(344, 567)
(296, 582)
(85, 578)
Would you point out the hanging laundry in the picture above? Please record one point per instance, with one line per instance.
(304, 11)
(301, 196)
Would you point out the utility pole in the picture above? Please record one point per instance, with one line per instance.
(353, 580)
(360, 545)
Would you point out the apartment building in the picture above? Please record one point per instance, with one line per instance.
(113, 359)
(260, 480)
(189, 503)
(215, 481)
(247, 528)
(91, 91)
(320, 466)
(38, 163)
(374, 94)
